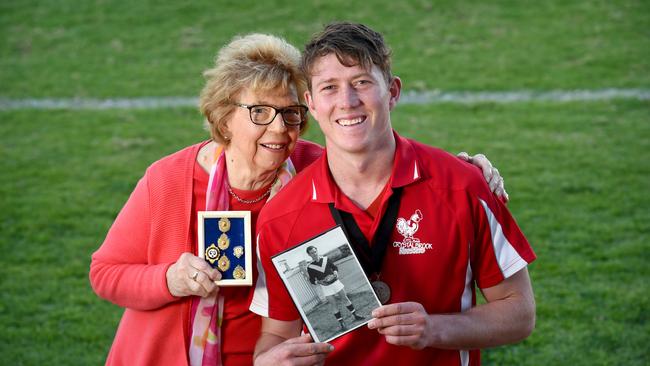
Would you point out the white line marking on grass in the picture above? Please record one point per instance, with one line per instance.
(472, 97)
(408, 97)
(92, 103)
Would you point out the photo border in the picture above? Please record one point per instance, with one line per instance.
(303, 315)
(248, 254)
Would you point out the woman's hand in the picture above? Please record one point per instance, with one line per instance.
(491, 174)
(191, 275)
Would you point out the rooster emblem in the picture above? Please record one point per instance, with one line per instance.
(408, 227)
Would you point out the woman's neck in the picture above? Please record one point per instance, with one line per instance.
(240, 175)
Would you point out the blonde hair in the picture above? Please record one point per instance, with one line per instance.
(259, 62)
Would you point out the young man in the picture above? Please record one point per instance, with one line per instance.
(324, 273)
(426, 222)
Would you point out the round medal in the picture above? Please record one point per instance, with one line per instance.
(381, 290)
(223, 264)
(224, 224)
(239, 273)
(211, 253)
(223, 242)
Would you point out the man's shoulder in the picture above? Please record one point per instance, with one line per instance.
(290, 199)
(442, 169)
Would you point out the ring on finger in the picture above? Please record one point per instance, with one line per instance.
(195, 275)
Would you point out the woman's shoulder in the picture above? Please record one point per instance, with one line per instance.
(185, 156)
(175, 167)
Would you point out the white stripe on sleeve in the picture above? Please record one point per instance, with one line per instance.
(466, 304)
(510, 262)
(260, 302)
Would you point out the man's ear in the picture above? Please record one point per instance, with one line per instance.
(310, 102)
(394, 90)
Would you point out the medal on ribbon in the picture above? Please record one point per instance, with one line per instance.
(371, 257)
(381, 290)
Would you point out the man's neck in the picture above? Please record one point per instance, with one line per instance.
(362, 177)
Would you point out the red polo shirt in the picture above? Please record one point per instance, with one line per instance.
(451, 234)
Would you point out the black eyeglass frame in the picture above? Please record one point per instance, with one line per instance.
(277, 110)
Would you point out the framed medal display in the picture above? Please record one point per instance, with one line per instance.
(320, 274)
(225, 243)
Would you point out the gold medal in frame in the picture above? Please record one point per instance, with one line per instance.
(225, 243)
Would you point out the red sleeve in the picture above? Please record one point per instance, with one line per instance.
(271, 297)
(119, 269)
(500, 248)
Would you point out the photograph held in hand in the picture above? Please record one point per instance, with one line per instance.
(327, 285)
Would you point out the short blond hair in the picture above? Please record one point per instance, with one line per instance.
(259, 62)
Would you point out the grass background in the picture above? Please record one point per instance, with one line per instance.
(577, 172)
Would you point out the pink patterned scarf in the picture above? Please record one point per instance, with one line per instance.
(205, 341)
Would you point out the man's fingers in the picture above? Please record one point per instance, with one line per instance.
(393, 309)
(302, 351)
(310, 349)
(402, 340)
(402, 330)
(305, 338)
(391, 321)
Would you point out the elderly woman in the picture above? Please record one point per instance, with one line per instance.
(174, 313)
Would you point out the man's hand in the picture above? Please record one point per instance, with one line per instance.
(507, 317)
(403, 324)
(295, 352)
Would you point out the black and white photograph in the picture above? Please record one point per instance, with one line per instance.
(327, 285)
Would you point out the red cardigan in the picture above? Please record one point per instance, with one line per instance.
(149, 234)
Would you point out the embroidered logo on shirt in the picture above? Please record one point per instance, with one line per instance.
(408, 228)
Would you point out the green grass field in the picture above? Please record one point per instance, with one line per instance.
(577, 173)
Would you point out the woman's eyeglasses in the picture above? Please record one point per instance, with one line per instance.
(294, 115)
